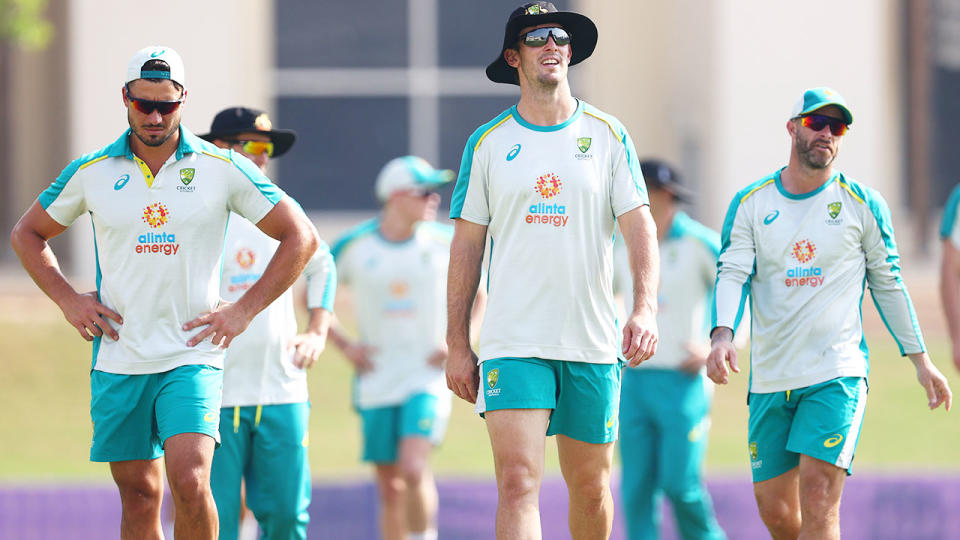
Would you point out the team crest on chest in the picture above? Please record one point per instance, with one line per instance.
(583, 144)
(833, 210)
(186, 176)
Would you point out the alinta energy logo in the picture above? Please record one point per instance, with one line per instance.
(804, 252)
(157, 215)
(548, 186)
(242, 281)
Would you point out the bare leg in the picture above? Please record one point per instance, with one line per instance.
(393, 494)
(188, 458)
(778, 500)
(421, 487)
(517, 437)
(140, 483)
(586, 469)
(821, 485)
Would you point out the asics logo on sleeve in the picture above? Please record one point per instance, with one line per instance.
(513, 152)
(770, 217)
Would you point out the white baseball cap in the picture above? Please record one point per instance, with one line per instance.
(409, 172)
(155, 52)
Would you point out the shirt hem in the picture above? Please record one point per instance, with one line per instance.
(793, 383)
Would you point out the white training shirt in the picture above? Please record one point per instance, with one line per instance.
(805, 260)
(158, 243)
(259, 367)
(549, 196)
(688, 270)
(399, 292)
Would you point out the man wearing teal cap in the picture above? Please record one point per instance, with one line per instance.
(803, 243)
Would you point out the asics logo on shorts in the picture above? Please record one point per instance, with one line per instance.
(209, 417)
(833, 441)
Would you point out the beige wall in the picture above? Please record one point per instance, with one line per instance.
(709, 85)
(227, 49)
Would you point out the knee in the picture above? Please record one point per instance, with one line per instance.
(518, 481)
(189, 485)
(592, 490)
(777, 514)
(392, 490)
(819, 499)
(413, 471)
(142, 496)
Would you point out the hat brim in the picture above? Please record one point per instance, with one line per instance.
(847, 115)
(282, 139)
(583, 40)
(438, 179)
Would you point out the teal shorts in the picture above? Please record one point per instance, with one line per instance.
(821, 421)
(584, 398)
(133, 415)
(385, 427)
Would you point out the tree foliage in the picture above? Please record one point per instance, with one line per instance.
(22, 23)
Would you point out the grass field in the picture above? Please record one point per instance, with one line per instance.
(45, 424)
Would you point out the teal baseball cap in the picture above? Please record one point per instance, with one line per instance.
(410, 172)
(818, 98)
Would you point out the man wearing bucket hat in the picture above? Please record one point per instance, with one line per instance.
(265, 411)
(547, 180)
(396, 269)
(159, 198)
(665, 401)
(802, 243)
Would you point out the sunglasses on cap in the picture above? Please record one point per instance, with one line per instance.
(255, 148)
(539, 37)
(816, 122)
(147, 106)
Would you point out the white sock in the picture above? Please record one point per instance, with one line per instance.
(429, 534)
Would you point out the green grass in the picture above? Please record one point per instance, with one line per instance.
(45, 422)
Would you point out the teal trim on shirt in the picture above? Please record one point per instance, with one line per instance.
(881, 212)
(370, 226)
(683, 226)
(50, 194)
(801, 196)
(950, 213)
(724, 244)
(96, 258)
(557, 127)
(466, 163)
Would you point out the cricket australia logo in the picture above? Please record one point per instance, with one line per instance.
(833, 210)
(755, 462)
(186, 176)
(583, 144)
(493, 376)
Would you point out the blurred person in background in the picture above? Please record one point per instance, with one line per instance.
(950, 271)
(264, 419)
(665, 401)
(803, 243)
(547, 180)
(159, 198)
(395, 268)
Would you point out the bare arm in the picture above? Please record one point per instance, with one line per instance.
(310, 343)
(950, 294)
(83, 311)
(640, 329)
(298, 238)
(463, 278)
(357, 353)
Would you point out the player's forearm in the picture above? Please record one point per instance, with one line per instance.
(463, 277)
(295, 250)
(319, 322)
(41, 264)
(640, 235)
(338, 337)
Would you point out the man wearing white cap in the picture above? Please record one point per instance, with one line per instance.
(159, 198)
(396, 268)
(802, 243)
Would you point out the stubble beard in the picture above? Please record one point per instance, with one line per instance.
(152, 140)
(810, 157)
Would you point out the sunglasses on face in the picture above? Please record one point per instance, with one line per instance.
(539, 37)
(816, 122)
(420, 193)
(255, 148)
(147, 106)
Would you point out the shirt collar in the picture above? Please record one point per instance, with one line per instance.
(189, 144)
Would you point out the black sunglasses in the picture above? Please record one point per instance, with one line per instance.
(147, 106)
(538, 37)
(816, 122)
